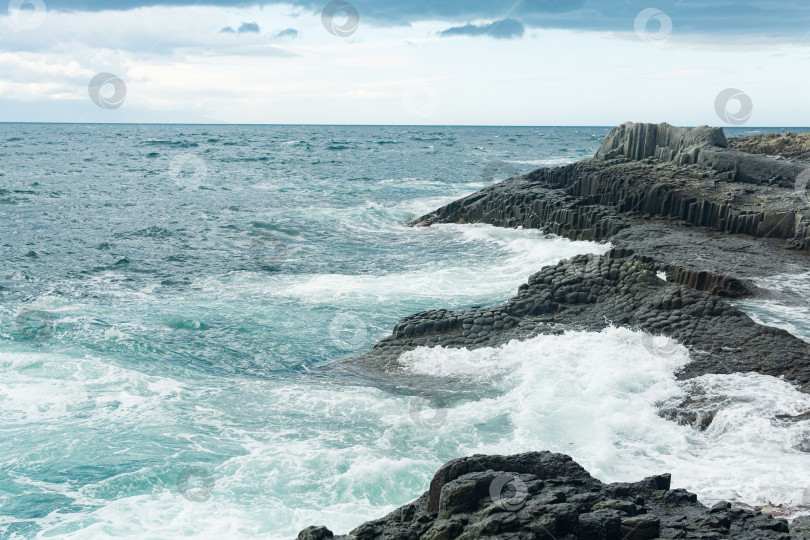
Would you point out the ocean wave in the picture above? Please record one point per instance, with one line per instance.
(308, 452)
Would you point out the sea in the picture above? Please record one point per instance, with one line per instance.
(171, 294)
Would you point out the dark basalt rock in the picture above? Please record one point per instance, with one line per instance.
(590, 292)
(644, 172)
(789, 145)
(542, 495)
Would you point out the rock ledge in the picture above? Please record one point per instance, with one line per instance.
(542, 495)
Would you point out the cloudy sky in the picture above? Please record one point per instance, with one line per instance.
(479, 62)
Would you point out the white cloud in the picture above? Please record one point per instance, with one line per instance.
(177, 65)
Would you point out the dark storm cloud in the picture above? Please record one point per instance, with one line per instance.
(504, 29)
(248, 28)
(289, 32)
(783, 18)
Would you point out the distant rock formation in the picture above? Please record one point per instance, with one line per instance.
(703, 146)
(542, 495)
(683, 174)
(789, 145)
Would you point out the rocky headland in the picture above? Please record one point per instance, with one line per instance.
(693, 221)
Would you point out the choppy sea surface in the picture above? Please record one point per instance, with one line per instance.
(167, 291)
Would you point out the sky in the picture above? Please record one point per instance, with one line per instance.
(431, 62)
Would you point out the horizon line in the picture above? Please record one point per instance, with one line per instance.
(378, 125)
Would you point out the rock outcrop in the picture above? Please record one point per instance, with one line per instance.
(789, 145)
(543, 495)
(687, 177)
(591, 292)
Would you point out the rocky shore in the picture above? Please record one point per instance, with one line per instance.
(693, 222)
(676, 204)
(549, 496)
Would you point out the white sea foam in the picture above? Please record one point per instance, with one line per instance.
(307, 454)
(595, 396)
(553, 162)
(515, 255)
(791, 312)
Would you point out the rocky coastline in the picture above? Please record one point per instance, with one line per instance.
(693, 220)
(541, 495)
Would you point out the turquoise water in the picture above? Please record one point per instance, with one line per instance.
(167, 292)
(158, 284)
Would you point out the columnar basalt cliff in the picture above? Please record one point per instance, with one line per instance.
(692, 224)
(684, 176)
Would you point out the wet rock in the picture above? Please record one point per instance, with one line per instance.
(622, 290)
(559, 501)
(315, 533)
